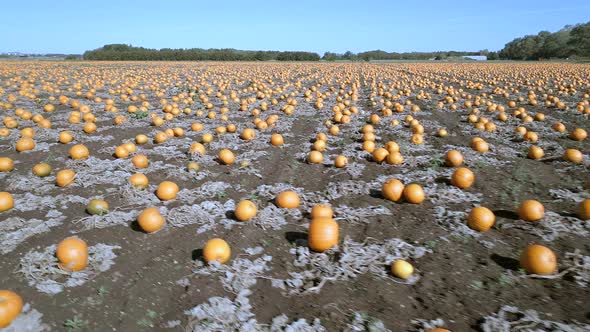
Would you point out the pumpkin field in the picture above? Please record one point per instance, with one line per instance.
(266, 196)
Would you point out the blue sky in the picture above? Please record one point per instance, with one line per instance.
(360, 25)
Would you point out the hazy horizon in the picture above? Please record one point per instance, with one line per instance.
(72, 28)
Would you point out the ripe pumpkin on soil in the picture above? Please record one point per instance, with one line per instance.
(394, 158)
(245, 210)
(481, 219)
(323, 234)
(97, 207)
(141, 139)
(393, 190)
(531, 210)
(380, 154)
(538, 259)
(402, 269)
(72, 254)
(65, 177)
(535, 152)
(140, 161)
(216, 250)
(578, 134)
(315, 157)
(453, 158)
(288, 200)
(150, 220)
(573, 155)
(226, 157)
(276, 140)
(79, 152)
(6, 164)
(321, 211)
(6, 201)
(167, 190)
(462, 178)
(11, 305)
(65, 137)
(25, 144)
(139, 181)
(42, 170)
(413, 193)
(340, 161)
(584, 209)
(121, 152)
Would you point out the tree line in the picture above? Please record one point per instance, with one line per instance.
(115, 52)
(571, 41)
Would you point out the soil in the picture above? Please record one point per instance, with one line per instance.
(461, 279)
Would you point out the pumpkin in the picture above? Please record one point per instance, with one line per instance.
(138, 181)
(11, 305)
(130, 146)
(578, 134)
(392, 147)
(538, 259)
(65, 137)
(481, 219)
(89, 128)
(42, 170)
(25, 144)
(216, 250)
(287, 199)
(193, 166)
(97, 207)
(140, 161)
(141, 139)
(160, 137)
(65, 177)
(248, 134)
(369, 146)
(584, 209)
(319, 145)
(79, 151)
(442, 133)
(394, 158)
(167, 190)
(276, 140)
(321, 211)
(462, 178)
(559, 127)
(453, 158)
(197, 148)
(535, 152)
(315, 157)
(323, 234)
(6, 164)
(531, 210)
(481, 146)
(245, 210)
(121, 152)
(72, 254)
(402, 269)
(150, 220)
(340, 161)
(6, 201)
(413, 193)
(207, 138)
(393, 190)
(380, 154)
(573, 155)
(226, 157)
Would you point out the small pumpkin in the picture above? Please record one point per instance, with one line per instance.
(65, 177)
(413, 193)
(65, 137)
(531, 210)
(462, 178)
(321, 211)
(245, 210)
(323, 234)
(79, 152)
(141, 139)
(216, 250)
(573, 155)
(276, 140)
(226, 157)
(340, 161)
(121, 152)
(380, 154)
(42, 170)
(167, 190)
(288, 200)
(11, 305)
(97, 207)
(315, 157)
(481, 219)
(453, 158)
(140, 161)
(25, 144)
(6, 201)
(393, 190)
(535, 152)
(538, 259)
(584, 209)
(6, 164)
(72, 254)
(150, 220)
(402, 269)
(394, 158)
(139, 181)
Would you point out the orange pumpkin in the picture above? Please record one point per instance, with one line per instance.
(65, 177)
(340, 161)
(573, 155)
(584, 209)
(321, 211)
(150, 220)
(65, 137)
(248, 134)
(6, 201)
(535, 152)
(97, 207)
(453, 158)
(462, 178)
(393, 190)
(245, 210)
(167, 190)
(226, 157)
(11, 306)
(72, 254)
(25, 144)
(42, 170)
(481, 219)
(6, 164)
(414, 194)
(323, 234)
(288, 200)
(139, 181)
(578, 134)
(531, 210)
(141, 139)
(315, 157)
(380, 154)
(79, 151)
(140, 161)
(121, 152)
(402, 269)
(216, 250)
(276, 140)
(538, 259)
